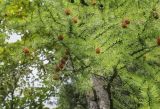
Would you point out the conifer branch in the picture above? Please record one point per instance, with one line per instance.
(39, 13)
(51, 14)
(113, 44)
(147, 51)
(146, 23)
(71, 59)
(137, 51)
(149, 97)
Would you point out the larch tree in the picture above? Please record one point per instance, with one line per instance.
(89, 54)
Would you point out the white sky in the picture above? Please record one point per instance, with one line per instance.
(13, 38)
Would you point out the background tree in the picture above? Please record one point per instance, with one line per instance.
(91, 54)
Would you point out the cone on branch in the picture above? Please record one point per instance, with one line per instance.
(26, 50)
(125, 23)
(60, 37)
(75, 20)
(155, 15)
(67, 11)
(158, 41)
(98, 50)
(56, 76)
(93, 2)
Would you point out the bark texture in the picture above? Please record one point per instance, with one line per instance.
(98, 97)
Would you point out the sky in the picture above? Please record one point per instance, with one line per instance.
(13, 37)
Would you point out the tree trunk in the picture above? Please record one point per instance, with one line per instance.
(98, 97)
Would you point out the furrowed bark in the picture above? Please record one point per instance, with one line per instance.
(98, 97)
(92, 100)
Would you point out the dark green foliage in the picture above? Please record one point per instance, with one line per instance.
(71, 99)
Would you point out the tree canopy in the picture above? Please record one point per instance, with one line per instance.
(65, 44)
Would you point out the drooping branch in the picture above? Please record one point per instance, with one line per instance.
(148, 20)
(51, 15)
